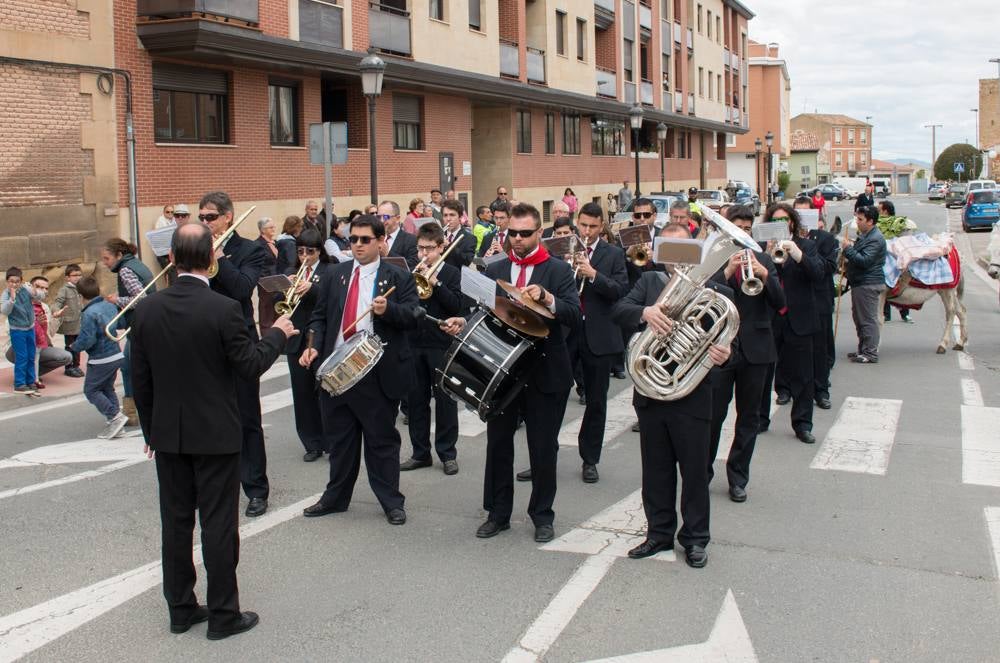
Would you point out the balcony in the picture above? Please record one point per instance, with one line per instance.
(691, 103)
(666, 99)
(389, 28)
(629, 93)
(646, 92)
(678, 101)
(240, 10)
(536, 65)
(607, 83)
(510, 59)
(604, 14)
(725, 58)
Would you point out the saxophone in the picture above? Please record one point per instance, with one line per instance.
(668, 368)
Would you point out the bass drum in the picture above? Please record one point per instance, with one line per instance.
(487, 365)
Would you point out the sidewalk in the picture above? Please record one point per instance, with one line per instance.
(57, 383)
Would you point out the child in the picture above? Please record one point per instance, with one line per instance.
(68, 301)
(47, 357)
(104, 356)
(15, 303)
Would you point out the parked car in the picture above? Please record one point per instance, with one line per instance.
(662, 203)
(847, 193)
(982, 185)
(829, 191)
(955, 194)
(747, 196)
(981, 210)
(714, 198)
(937, 191)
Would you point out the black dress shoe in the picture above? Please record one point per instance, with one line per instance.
(247, 621)
(582, 400)
(590, 473)
(414, 464)
(696, 557)
(524, 475)
(406, 420)
(783, 399)
(396, 516)
(544, 533)
(648, 548)
(737, 494)
(311, 456)
(635, 427)
(489, 529)
(823, 403)
(763, 428)
(450, 467)
(806, 436)
(256, 507)
(320, 509)
(618, 375)
(199, 615)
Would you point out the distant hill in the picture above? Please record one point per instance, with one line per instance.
(910, 162)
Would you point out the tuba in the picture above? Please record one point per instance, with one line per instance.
(671, 367)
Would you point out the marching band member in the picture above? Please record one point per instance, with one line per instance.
(497, 244)
(397, 242)
(241, 262)
(548, 281)
(316, 263)
(367, 411)
(672, 433)
(429, 345)
(747, 370)
(451, 212)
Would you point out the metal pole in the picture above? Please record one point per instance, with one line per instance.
(635, 148)
(933, 128)
(371, 149)
(756, 169)
(770, 193)
(327, 176)
(663, 173)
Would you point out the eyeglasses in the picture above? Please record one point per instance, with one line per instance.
(185, 214)
(211, 216)
(643, 215)
(361, 239)
(302, 250)
(779, 218)
(386, 217)
(426, 247)
(521, 233)
(168, 211)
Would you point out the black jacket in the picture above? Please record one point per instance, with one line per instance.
(189, 345)
(464, 252)
(405, 246)
(395, 369)
(800, 280)
(864, 200)
(244, 264)
(756, 313)
(287, 257)
(444, 302)
(828, 250)
(610, 284)
(272, 260)
(866, 259)
(302, 315)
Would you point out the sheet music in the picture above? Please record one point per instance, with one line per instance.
(479, 288)
(275, 283)
(675, 250)
(159, 239)
(809, 218)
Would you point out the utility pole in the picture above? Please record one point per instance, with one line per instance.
(933, 128)
(871, 143)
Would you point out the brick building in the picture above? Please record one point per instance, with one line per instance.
(845, 143)
(989, 121)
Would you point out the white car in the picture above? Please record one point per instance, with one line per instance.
(982, 185)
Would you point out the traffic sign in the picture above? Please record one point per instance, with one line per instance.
(959, 167)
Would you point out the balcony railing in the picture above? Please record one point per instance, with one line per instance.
(604, 14)
(645, 17)
(242, 10)
(389, 28)
(667, 98)
(736, 116)
(690, 40)
(677, 33)
(608, 5)
(729, 114)
(536, 65)
(725, 57)
(678, 101)
(510, 60)
(746, 120)
(607, 83)
(646, 92)
(691, 103)
(629, 93)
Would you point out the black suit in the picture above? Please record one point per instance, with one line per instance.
(368, 410)
(745, 373)
(429, 344)
(464, 252)
(671, 434)
(190, 347)
(828, 249)
(542, 401)
(244, 264)
(405, 246)
(286, 259)
(596, 343)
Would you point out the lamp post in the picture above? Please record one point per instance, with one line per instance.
(870, 143)
(757, 145)
(635, 119)
(372, 70)
(933, 128)
(661, 133)
(769, 139)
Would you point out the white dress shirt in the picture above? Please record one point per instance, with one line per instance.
(366, 289)
(515, 271)
(389, 239)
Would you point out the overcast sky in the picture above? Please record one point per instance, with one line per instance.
(908, 64)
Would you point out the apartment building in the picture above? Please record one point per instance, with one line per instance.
(845, 143)
(989, 122)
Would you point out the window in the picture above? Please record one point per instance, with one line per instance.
(708, 25)
(560, 33)
(850, 160)
(718, 29)
(701, 81)
(321, 23)
(805, 170)
(283, 113)
(550, 133)
(406, 121)
(864, 158)
(838, 158)
(524, 131)
(682, 139)
(711, 84)
(189, 105)
(627, 59)
(850, 136)
(581, 39)
(864, 136)
(730, 140)
(607, 137)
(475, 14)
(437, 9)
(699, 19)
(837, 136)
(644, 60)
(571, 134)
(666, 72)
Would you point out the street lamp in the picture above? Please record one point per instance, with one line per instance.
(635, 119)
(769, 139)
(372, 71)
(870, 143)
(661, 133)
(976, 111)
(757, 145)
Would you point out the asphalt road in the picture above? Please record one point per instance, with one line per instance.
(872, 545)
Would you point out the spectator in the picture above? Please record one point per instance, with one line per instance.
(104, 357)
(337, 246)
(417, 206)
(68, 301)
(501, 199)
(313, 217)
(47, 357)
(168, 218)
(483, 230)
(624, 196)
(268, 230)
(285, 243)
(865, 260)
(818, 201)
(866, 199)
(570, 199)
(16, 304)
(181, 214)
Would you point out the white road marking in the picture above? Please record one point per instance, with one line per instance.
(980, 445)
(971, 394)
(27, 630)
(621, 416)
(729, 642)
(993, 527)
(861, 438)
(965, 361)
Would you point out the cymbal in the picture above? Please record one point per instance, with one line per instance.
(520, 318)
(527, 302)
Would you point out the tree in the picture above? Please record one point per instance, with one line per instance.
(783, 180)
(921, 174)
(967, 155)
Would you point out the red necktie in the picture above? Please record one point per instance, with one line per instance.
(351, 306)
(522, 277)
(308, 273)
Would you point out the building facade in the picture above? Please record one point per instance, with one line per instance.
(989, 122)
(845, 143)
(802, 163)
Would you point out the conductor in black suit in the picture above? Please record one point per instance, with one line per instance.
(398, 242)
(367, 411)
(451, 212)
(190, 347)
(747, 369)
(548, 281)
(241, 264)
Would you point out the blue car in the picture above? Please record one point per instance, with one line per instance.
(980, 210)
(745, 196)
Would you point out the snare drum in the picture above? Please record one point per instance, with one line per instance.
(487, 365)
(349, 363)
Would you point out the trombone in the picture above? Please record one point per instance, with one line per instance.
(291, 301)
(423, 278)
(213, 269)
(751, 286)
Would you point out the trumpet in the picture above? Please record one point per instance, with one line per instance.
(423, 278)
(639, 253)
(778, 254)
(751, 286)
(575, 257)
(291, 301)
(213, 269)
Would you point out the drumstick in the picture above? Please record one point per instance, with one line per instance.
(309, 339)
(367, 311)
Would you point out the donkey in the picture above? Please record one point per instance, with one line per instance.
(953, 307)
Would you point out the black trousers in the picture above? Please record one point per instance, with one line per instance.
(363, 414)
(543, 415)
(209, 484)
(426, 361)
(70, 340)
(821, 358)
(670, 438)
(747, 382)
(305, 404)
(766, 396)
(253, 460)
(596, 369)
(795, 372)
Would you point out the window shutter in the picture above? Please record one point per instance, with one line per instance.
(190, 79)
(405, 108)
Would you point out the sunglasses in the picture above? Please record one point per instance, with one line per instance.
(521, 233)
(212, 216)
(361, 239)
(643, 215)
(182, 214)
(501, 193)
(385, 217)
(168, 211)
(303, 250)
